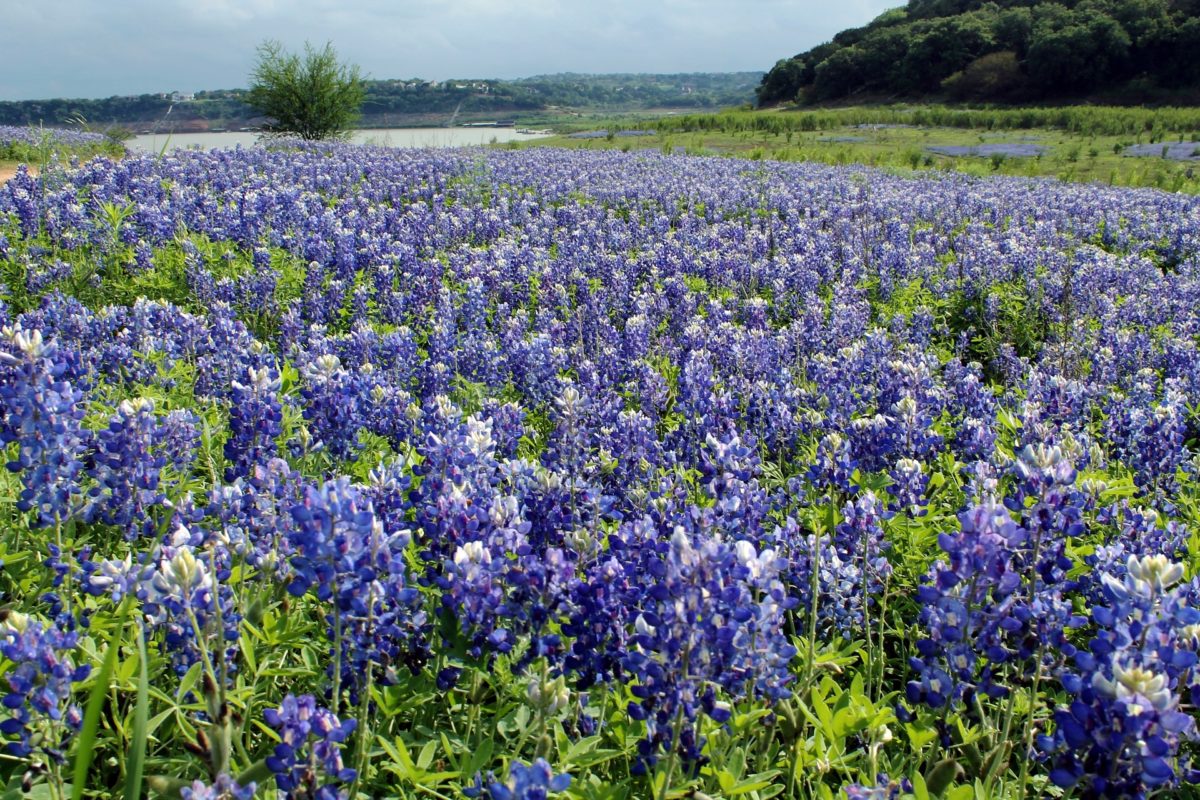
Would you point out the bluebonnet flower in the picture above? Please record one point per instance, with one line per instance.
(307, 762)
(126, 464)
(965, 602)
(1139, 532)
(226, 353)
(909, 484)
(252, 517)
(840, 604)
(42, 414)
(833, 467)
(182, 595)
(884, 789)
(39, 686)
(344, 554)
(331, 406)
(730, 471)
(1124, 732)
(714, 619)
(223, 788)
(567, 448)
(534, 781)
(255, 421)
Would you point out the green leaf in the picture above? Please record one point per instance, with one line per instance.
(425, 757)
(480, 757)
(41, 791)
(171, 788)
(920, 734)
(752, 784)
(86, 748)
(258, 772)
(726, 781)
(141, 714)
(944, 773)
(399, 753)
(188, 681)
(920, 791)
(450, 754)
(246, 645)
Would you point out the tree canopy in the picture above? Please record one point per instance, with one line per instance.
(1001, 51)
(313, 96)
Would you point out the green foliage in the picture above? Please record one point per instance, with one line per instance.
(313, 97)
(45, 148)
(418, 101)
(995, 75)
(1087, 120)
(1063, 49)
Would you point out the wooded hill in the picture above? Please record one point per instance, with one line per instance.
(1003, 51)
(413, 101)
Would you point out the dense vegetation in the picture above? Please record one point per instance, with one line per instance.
(36, 146)
(505, 474)
(1083, 120)
(388, 101)
(1002, 51)
(1119, 146)
(311, 96)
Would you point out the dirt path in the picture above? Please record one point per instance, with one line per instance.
(9, 170)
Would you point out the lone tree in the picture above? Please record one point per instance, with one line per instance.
(313, 97)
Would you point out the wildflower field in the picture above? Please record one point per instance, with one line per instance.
(340, 471)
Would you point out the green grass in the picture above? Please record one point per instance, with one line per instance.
(1072, 155)
(13, 153)
(1082, 120)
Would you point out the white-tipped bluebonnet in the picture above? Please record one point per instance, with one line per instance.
(126, 464)
(42, 413)
(39, 684)
(1126, 729)
(255, 421)
(343, 554)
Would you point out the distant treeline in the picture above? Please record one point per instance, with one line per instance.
(1002, 51)
(1083, 120)
(409, 97)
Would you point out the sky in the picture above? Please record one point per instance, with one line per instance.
(93, 48)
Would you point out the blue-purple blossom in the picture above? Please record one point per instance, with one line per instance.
(39, 682)
(307, 762)
(534, 781)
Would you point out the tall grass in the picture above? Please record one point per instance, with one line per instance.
(1084, 120)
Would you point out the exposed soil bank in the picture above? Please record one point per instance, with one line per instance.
(9, 170)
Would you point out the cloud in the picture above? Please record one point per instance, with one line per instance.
(228, 12)
(84, 48)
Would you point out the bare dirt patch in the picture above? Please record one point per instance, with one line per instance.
(9, 170)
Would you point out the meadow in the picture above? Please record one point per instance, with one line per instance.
(1077, 144)
(34, 146)
(339, 471)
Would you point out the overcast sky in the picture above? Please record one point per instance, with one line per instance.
(98, 48)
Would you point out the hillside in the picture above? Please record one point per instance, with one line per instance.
(1003, 51)
(409, 102)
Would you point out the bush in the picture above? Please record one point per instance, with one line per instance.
(994, 76)
(313, 97)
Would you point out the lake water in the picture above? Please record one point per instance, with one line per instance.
(386, 137)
